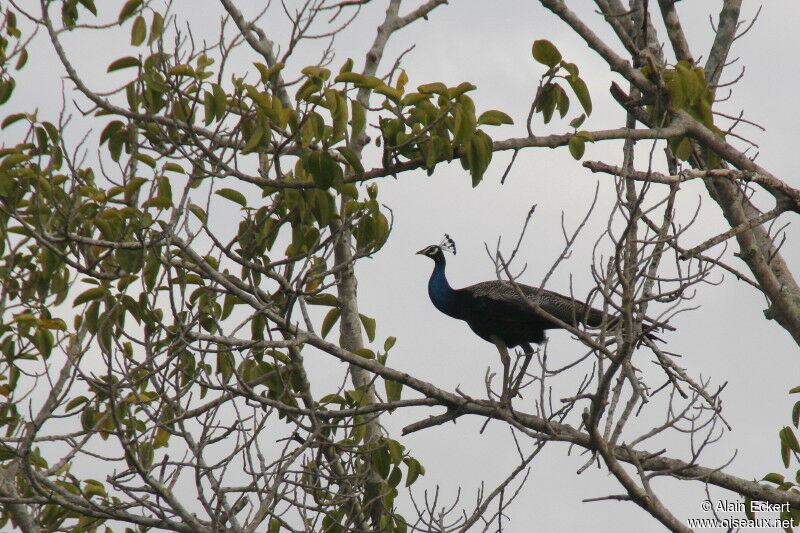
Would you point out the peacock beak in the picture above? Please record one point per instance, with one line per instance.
(420, 252)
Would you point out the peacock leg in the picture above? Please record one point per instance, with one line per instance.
(527, 350)
(506, 359)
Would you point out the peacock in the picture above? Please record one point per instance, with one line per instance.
(497, 312)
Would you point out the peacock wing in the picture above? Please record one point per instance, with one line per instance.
(502, 298)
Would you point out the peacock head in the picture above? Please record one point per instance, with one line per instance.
(436, 251)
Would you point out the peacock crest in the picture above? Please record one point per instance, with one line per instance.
(448, 244)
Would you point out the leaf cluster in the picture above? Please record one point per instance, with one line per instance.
(789, 448)
(686, 89)
(551, 95)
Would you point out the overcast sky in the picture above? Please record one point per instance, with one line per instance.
(727, 338)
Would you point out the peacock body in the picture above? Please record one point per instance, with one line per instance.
(496, 311)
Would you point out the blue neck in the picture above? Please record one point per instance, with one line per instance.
(442, 294)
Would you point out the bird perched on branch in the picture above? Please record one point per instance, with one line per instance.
(497, 312)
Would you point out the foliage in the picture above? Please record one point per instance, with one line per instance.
(789, 448)
(161, 298)
(686, 89)
(551, 96)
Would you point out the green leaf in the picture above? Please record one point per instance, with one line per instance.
(182, 70)
(462, 88)
(788, 444)
(388, 343)
(572, 68)
(75, 402)
(677, 93)
(313, 128)
(366, 82)
(129, 260)
(13, 160)
(138, 31)
(794, 390)
(209, 107)
(412, 99)
(494, 118)
(786, 454)
(225, 365)
(682, 148)
(380, 460)
(347, 66)
(44, 341)
(332, 398)
(796, 414)
(356, 397)
(220, 101)
(369, 326)
(164, 187)
(316, 72)
(146, 454)
(772, 477)
(156, 27)
(53, 323)
(393, 389)
(791, 439)
(274, 526)
(89, 5)
(26, 318)
(479, 155)
(415, 469)
(132, 188)
(161, 438)
(268, 72)
(582, 92)
(692, 89)
(173, 167)
(359, 119)
(436, 88)
(146, 159)
(577, 121)
(159, 202)
(254, 141)
(132, 96)
(91, 294)
(23, 58)
(199, 212)
(546, 53)
(6, 89)
(129, 9)
(366, 353)
(395, 451)
(233, 195)
(349, 77)
(352, 159)
(323, 169)
(307, 90)
(330, 320)
(464, 121)
(562, 101)
(124, 62)
(10, 119)
(390, 92)
(576, 147)
(111, 128)
(323, 299)
(547, 100)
